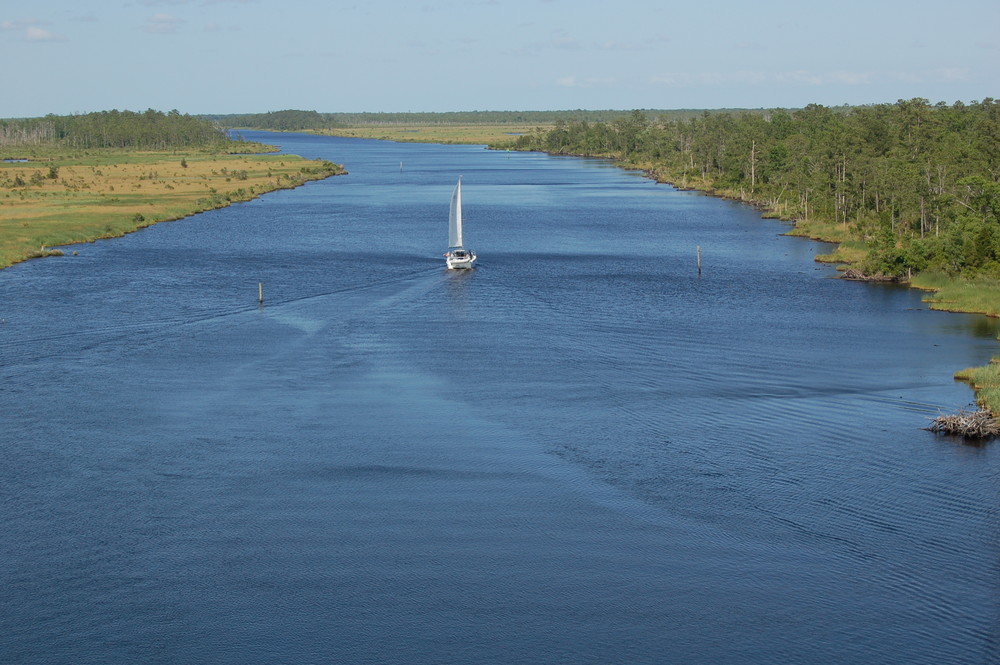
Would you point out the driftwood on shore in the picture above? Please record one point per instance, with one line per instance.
(857, 275)
(969, 424)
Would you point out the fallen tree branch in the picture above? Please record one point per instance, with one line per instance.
(970, 424)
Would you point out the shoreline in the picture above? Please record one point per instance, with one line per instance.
(107, 194)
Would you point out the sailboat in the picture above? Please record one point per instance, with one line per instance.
(457, 257)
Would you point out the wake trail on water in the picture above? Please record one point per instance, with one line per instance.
(19, 346)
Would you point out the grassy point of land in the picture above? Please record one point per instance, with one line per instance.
(951, 294)
(61, 200)
(474, 134)
(986, 382)
(846, 253)
(822, 230)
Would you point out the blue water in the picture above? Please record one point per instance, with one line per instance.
(580, 452)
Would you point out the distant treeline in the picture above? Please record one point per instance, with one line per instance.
(916, 183)
(151, 130)
(291, 120)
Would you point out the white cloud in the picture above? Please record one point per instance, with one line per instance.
(162, 24)
(31, 31)
(36, 34)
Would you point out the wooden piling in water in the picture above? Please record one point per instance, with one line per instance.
(699, 260)
(260, 292)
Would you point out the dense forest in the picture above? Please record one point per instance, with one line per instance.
(914, 184)
(151, 130)
(292, 120)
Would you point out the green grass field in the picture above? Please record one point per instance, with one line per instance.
(986, 382)
(952, 294)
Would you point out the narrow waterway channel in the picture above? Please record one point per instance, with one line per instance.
(580, 452)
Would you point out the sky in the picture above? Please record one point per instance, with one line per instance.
(253, 56)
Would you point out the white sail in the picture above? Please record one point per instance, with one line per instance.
(455, 217)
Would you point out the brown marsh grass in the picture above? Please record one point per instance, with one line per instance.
(495, 135)
(110, 193)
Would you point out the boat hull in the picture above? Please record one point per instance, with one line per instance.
(460, 262)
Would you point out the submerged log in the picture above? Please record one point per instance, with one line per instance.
(969, 424)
